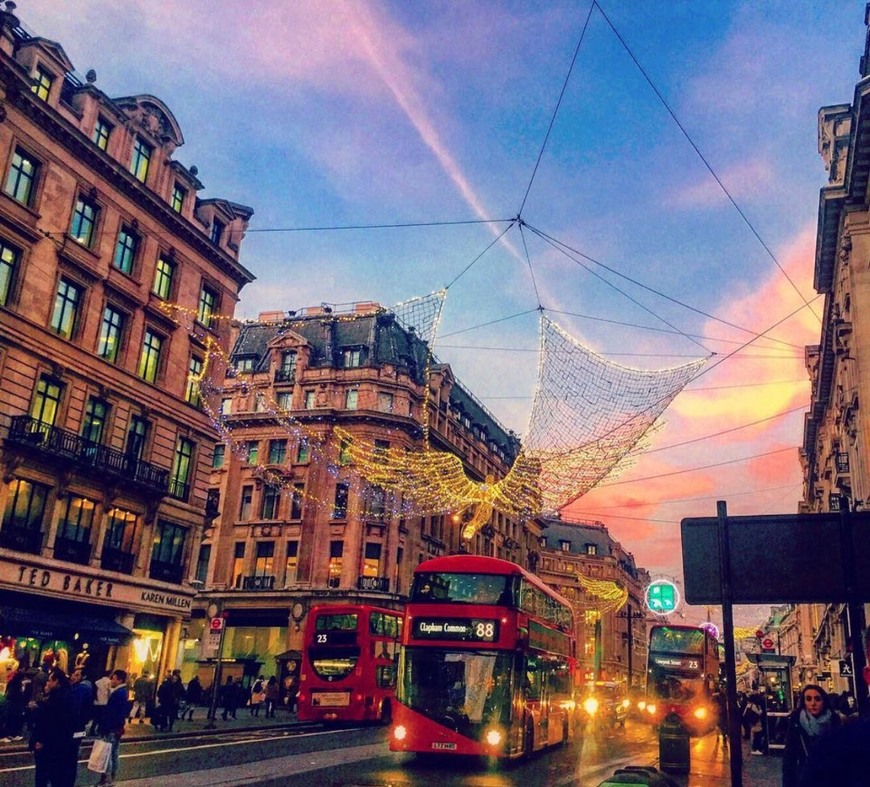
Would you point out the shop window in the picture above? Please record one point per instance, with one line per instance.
(270, 502)
(336, 551)
(167, 553)
(111, 334)
(22, 519)
(179, 477)
(339, 507)
(291, 564)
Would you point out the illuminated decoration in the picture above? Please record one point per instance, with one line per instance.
(745, 632)
(611, 596)
(711, 627)
(662, 597)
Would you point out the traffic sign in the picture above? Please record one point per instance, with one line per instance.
(767, 643)
(662, 596)
(216, 624)
(846, 670)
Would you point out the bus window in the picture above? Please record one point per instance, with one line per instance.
(462, 588)
(336, 623)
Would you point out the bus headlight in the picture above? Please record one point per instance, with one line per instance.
(590, 705)
(641, 704)
(493, 737)
(626, 703)
(700, 713)
(568, 705)
(400, 732)
(651, 708)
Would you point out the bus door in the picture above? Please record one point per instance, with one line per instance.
(536, 696)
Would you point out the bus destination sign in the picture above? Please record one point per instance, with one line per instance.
(459, 629)
(678, 662)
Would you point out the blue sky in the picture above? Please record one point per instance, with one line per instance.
(347, 113)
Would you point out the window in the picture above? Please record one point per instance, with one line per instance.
(351, 399)
(217, 459)
(94, 422)
(141, 159)
(66, 307)
(163, 275)
(296, 501)
(8, 263)
(277, 452)
(77, 520)
(264, 559)
(309, 400)
(217, 231)
(344, 452)
(247, 497)
(149, 360)
(351, 357)
(118, 541)
(565, 546)
(42, 81)
(285, 400)
(269, 503)
(226, 406)
(191, 392)
(376, 503)
(207, 306)
(253, 452)
(102, 132)
(238, 563)
(385, 402)
(179, 477)
(137, 434)
(339, 507)
(167, 553)
(292, 563)
(25, 508)
(245, 365)
(22, 177)
(202, 562)
(372, 560)
(178, 195)
(46, 401)
(84, 221)
(286, 372)
(591, 549)
(111, 332)
(303, 453)
(336, 549)
(125, 250)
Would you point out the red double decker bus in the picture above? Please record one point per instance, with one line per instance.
(487, 663)
(683, 675)
(349, 659)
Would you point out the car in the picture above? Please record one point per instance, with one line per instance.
(604, 704)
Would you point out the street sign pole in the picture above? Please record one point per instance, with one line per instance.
(216, 681)
(734, 749)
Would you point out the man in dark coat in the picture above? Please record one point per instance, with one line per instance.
(52, 743)
(840, 759)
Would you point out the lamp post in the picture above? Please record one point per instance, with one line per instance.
(214, 613)
(630, 615)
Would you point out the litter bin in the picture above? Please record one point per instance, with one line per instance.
(639, 774)
(673, 745)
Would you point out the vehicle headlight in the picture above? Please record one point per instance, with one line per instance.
(568, 705)
(641, 704)
(700, 713)
(625, 703)
(493, 737)
(400, 732)
(651, 708)
(590, 705)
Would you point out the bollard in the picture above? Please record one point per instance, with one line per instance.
(673, 745)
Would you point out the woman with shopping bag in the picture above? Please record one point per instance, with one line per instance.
(52, 743)
(112, 727)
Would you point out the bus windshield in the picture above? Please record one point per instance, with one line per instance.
(668, 686)
(461, 588)
(457, 688)
(677, 640)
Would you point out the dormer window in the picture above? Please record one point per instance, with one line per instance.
(592, 549)
(42, 80)
(178, 195)
(217, 231)
(352, 357)
(565, 546)
(140, 161)
(102, 132)
(245, 365)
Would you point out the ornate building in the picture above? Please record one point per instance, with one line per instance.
(295, 524)
(586, 565)
(104, 452)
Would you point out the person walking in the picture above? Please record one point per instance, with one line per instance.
(83, 705)
(167, 703)
(17, 689)
(143, 696)
(51, 741)
(102, 687)
(228, 698)
(813, 718)
(258, 695)
(193, 696)
(273, 694)
(112, 727)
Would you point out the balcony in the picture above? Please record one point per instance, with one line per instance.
(377, 584)
(166, 572)
(72, 551)
(56, 442)
(21, 539)
(117, 560)
(179, 489)
(259, 582)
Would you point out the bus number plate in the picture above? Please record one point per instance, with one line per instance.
(331, 699)
(444, 746)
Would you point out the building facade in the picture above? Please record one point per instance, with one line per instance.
(612, 637)
(105, 454)
(295, 523)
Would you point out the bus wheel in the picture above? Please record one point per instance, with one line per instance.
(386, 715)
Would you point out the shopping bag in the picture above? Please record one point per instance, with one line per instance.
(98, 762)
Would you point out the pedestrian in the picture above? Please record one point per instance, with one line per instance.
(720, 704)
(848, 707)
(228, 698)
(193, 695)
(52, 742)
(143, 697)
(813, 718)
(840, 759)
(17, 690)
(83, 704)
(167, 703)
(101, 698)
(112, 727)
(258, 695)
(273, 694)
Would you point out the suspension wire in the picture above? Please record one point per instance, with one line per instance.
(602, 352)
(685, 390)
(401, 225)
(721, 496)
(474, 261)
(531, 270)
(703, 159)
(491, 322)
(561, 246)
(556, 109)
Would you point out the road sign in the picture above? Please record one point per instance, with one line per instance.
(767, 643)
(216, 624)
(662, 597)
(210, 644)
(846, 670)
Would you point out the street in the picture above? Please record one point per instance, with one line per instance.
(298, 755)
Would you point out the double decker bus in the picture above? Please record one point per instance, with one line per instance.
(349, 658)
(487, 663)
(683, 675)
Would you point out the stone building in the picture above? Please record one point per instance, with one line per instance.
(104, 452)
(612, 644)
(295, 524)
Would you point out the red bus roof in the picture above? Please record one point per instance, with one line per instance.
(480, 564)
(341, 608)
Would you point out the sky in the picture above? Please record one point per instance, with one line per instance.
(673, 147)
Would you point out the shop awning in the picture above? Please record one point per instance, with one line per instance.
(45, 624)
